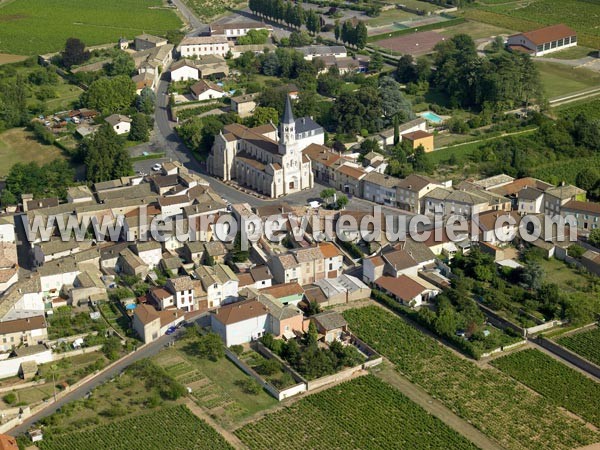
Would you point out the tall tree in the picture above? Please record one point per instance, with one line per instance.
(74, 53)
(362, 35)
(393, 102)
(121, 64)
(312, 21)
(105, 156)
(110, 95)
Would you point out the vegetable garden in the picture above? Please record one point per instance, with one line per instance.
(490, 400)
(362, 413)
(585, 344)
(555, 381)
(174, 427)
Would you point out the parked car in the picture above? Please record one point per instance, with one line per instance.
(170, 330)
(156, 167)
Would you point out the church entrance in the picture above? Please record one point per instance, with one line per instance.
(292, 185)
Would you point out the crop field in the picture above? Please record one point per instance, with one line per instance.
(552, 379)
(585, 344)
(581, 15)
(29, 27)
(174, 427)
(211, 9)
(362, 413)
(492, 401)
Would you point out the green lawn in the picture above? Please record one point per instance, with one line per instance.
(29, 27)
(559, 80)
(567, 278)
(476, 30)
(572, 53)
(19, 145)
(389, 17)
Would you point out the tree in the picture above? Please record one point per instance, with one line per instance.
(74, 53)
(268, 367)
(262, 116)
(327, 194)
(361, 35)
(210, 347)
(110, 95)
(121, 64)
(393, 102)
(145, 102)
(406, 71)
(370, 145)
(421, 162)
(299, 39)
(140, 130)
(337, 31)
(254, 37)
(342, 201)
(587, 178)
(111, 348)
(497, 44)
(532, 276)
(311, 336)
(105, 156)
(249, 386)
(175, 36)
(594, 237)
(312, 21)
(376, 63)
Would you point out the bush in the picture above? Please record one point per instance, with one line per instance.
(237, 349)
(210, 347)
(10, 398)
(249, 386)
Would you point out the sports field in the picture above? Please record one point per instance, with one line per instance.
(29, 27)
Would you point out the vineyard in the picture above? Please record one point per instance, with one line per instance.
(585, 344)
(174, 427)
(555, 381)
(492, 401)
(362, 413)
(581, 15)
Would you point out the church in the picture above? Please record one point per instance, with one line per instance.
(265, 159)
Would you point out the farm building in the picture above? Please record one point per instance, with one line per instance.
(420, 137)
(543, 41)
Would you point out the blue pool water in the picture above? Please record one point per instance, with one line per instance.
(432, 117)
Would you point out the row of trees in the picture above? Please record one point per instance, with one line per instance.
(348, 33)
(280, 11)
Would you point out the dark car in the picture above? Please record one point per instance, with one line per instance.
(171, 330)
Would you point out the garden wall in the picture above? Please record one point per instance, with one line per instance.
(336, 377)
(279, 395)
(504, 348)
(569, 356)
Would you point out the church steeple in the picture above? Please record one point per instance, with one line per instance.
(287, 128)
(288, 114)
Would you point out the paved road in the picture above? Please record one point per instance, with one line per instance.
(188, 15)
(146, 352)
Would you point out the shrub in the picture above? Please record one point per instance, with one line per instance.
(249, 386)
(10, 398)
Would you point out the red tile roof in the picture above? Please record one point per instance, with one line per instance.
(403, 287)
(240, 311)
(419, 134)
(549, 34)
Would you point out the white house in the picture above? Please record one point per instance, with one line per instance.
(543, 41)
(240, 322)
(203, 45)
(182, 289)
(120, 123)
(184, 70)
(56, 274)
(219, 282)
(235, 30)
(150, 252)
(206, 90)
(530, 200)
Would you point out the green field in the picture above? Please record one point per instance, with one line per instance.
(572, 53)
(586, 344)
(552, 379)
(590, 108)
(19, 145)
(582, 15)
(29, 27)
(559, 80)
(490, 400)
(476, 30)
(210, 9)
(362, 413)
(174, 427)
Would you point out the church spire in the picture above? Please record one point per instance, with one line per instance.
(288, 115)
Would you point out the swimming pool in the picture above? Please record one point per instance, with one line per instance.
(431, 117)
